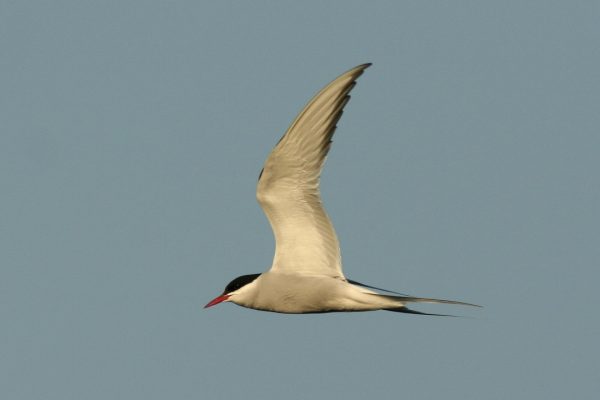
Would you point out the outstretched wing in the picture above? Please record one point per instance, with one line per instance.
(288, 187)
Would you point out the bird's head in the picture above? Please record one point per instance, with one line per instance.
(232, 289)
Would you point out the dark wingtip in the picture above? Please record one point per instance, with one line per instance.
(359, 69)
(406, 310)
(362, 67)
(374, 287)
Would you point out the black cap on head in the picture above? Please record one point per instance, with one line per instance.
(239, 282)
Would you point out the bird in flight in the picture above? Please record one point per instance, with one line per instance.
(306, 275)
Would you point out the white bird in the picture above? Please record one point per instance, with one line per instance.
(306, 275)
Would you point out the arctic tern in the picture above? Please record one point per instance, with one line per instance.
(306, 275)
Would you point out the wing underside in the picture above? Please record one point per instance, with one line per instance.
(288, 187)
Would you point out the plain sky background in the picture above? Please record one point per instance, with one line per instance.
(466, 167)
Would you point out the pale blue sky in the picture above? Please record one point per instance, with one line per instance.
(465, 167)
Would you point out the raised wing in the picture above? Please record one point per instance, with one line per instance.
(288, 187)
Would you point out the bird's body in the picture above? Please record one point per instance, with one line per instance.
(306, 293)
(306, 275)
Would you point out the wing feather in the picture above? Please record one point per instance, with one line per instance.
(288, 186)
